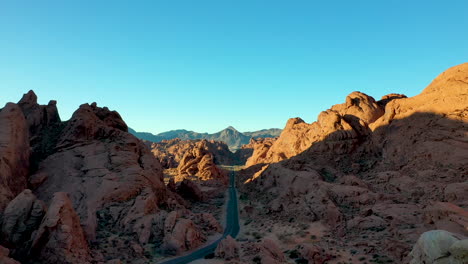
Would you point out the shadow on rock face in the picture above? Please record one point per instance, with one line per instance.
(379, 184)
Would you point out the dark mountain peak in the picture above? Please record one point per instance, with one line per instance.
(229, 130)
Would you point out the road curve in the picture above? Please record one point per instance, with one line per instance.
(232, 228)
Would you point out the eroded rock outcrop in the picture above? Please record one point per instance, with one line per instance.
(190, 190)
(14, 153)
(342, 126)
(38, 117)
(180, 234)
(171, 152)
(377, 174)
(227, 249)
(21, 218)
(94, 152)
(44, 125)
(200, 163)
(60, 238)
(260, 148)
(197, 158)
(114, 186)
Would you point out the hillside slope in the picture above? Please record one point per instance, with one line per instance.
(368, 178)
(233, 138)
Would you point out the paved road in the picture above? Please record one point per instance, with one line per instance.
(232, 228)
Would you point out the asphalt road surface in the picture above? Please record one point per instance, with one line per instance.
(232, 228)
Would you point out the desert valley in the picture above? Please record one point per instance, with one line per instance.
(371, 181)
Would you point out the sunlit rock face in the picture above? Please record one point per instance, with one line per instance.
(347, 122)
(377, 174)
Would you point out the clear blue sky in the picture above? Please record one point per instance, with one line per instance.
(204, 65)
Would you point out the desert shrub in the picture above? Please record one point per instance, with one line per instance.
(302, 261)
(293, 254)
(327, 176)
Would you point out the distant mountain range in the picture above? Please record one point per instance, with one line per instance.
(233, 138)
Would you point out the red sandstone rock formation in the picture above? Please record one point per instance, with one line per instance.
(38, 117)
(372, 171)
(14, 153)
(180, 234)
(227, 249)
(171, 152)
(60, 238)
(260, 149)
(344, 124)
(199, 162)
(114, 185)
(98, 163)
(21, 218)
(189, 190)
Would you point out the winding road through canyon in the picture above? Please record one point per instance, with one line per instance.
(232, 228)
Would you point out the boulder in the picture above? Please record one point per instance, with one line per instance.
(227, 249)
(459, 250)
(180, 234)
(21, 217)
(436, 247)
(207, 222)
(190, 191)
(60, 238)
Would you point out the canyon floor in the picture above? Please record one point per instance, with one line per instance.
(371, 181)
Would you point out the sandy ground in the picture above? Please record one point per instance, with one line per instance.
(289, 235)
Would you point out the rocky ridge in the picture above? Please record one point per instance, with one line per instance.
(102, 185)
(171, 152)
(374, 174)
